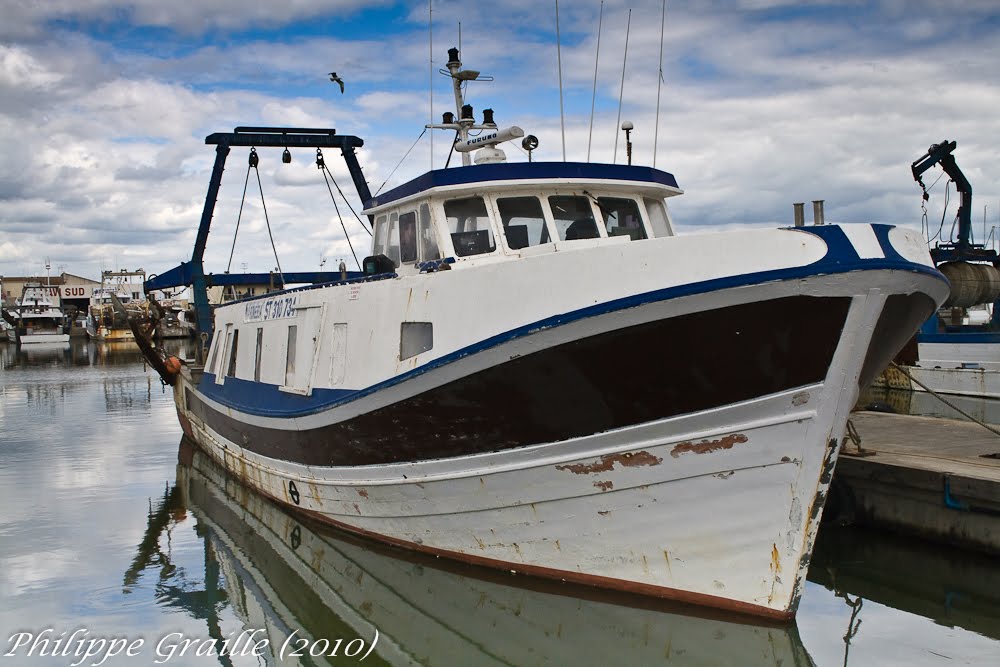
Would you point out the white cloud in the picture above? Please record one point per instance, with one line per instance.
(761, 106)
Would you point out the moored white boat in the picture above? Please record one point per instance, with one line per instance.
(37, 317)
(536, 374)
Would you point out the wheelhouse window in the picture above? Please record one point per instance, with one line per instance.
(408, 237)
(574, 217)
(392, 242)
(658, 220)
(425, 234)
(523, 221)
(381, 234)
(469, 226)
(621, 217)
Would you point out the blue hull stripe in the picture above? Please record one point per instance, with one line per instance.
(266, 400)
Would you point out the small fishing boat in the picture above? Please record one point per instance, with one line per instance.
(37, 317)
(104, 321)
(534, 372)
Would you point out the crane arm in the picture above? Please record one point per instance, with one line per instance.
(942, 154)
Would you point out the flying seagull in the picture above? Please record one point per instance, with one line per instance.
(337, 79)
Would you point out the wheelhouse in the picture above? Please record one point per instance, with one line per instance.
(497, 212)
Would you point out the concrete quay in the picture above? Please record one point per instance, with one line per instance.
(933, 478)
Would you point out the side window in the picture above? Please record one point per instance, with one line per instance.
(293, 339)
(425, 234)
(231, 367)
(408, 237)
(658, 220)
(213, 354)
(260, 348)
(392, 243)
(621, 217)
(469, 225)
(381, 233)
(414, 338)
(523, 221)
(574, 217)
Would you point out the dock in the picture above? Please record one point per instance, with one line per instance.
(930, 477)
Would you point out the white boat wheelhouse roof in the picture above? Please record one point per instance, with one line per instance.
(491, 212)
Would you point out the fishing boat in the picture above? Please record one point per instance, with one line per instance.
(104, 321)
(37, 317)
(533, 372)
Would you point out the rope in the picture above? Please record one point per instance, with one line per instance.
(252, 164)
(253, 154)
(855, 437)
(269, 235)
(945, 401)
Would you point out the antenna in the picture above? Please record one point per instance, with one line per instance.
(593, 96)
(562, 118)
(628, 27)
(430, 65)
(659, 80)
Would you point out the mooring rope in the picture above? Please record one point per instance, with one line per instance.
(944, 400)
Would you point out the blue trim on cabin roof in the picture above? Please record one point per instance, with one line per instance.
(517, 171)
(267, 400)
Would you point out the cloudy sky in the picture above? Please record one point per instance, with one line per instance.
(105, 104)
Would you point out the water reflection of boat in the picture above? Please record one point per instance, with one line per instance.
(911, 576)
(288, 577)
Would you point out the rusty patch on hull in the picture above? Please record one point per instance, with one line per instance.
(608, 461)
(604, 486)
(708, 446)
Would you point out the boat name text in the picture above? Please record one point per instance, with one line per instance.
(270, 309)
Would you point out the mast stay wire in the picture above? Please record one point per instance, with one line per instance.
(593, 96)
(621, 92)
(402, 159)
(321, 165)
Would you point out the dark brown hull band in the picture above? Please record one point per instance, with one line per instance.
(612, 380)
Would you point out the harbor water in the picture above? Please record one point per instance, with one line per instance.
(121, 544)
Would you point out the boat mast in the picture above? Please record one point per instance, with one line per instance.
(486, 142)
(465, 118)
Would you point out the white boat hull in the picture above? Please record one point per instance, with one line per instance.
(712, 497)
(38, 338)
(964, 369)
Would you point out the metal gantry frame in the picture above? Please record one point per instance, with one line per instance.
(193, 273)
